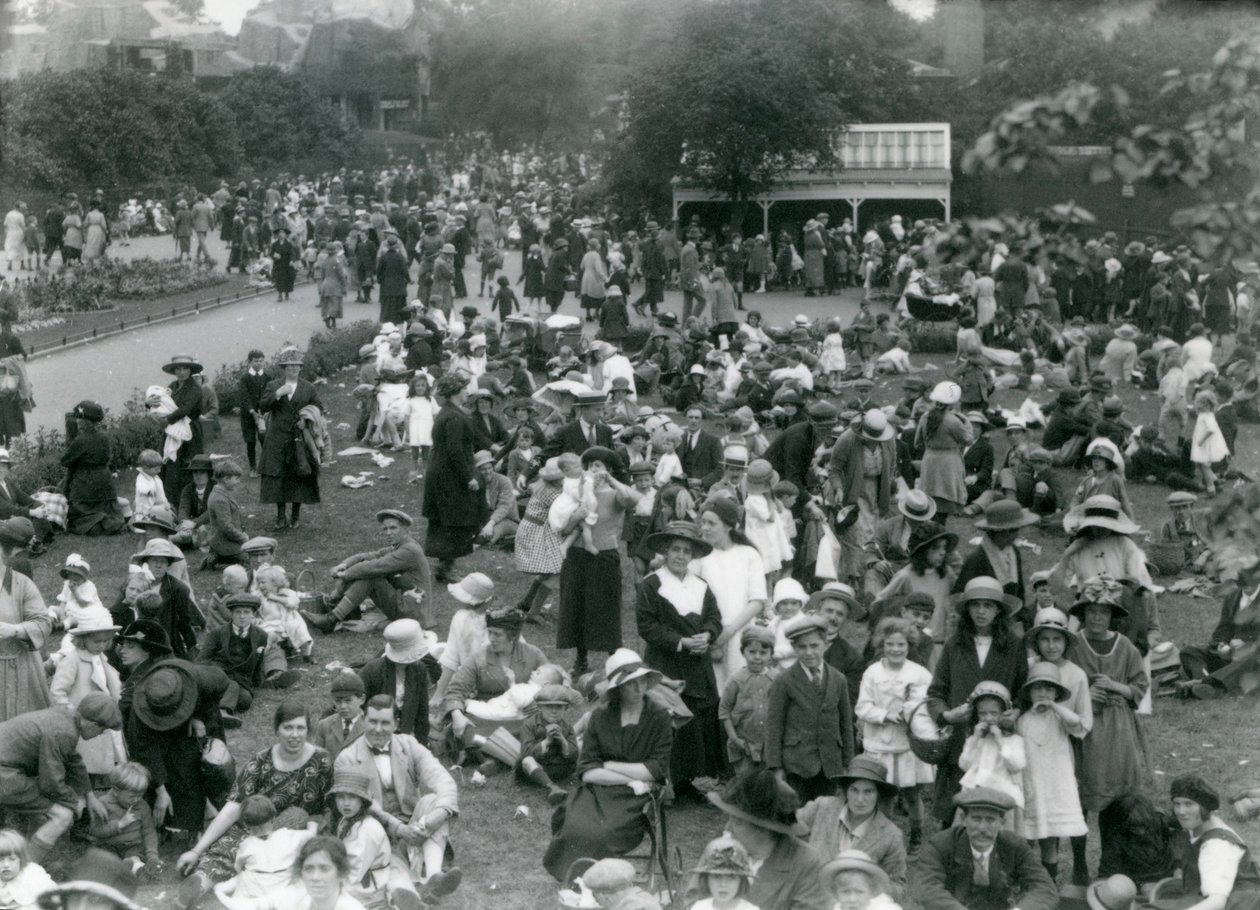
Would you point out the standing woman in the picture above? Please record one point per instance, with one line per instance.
(282, 270)
(590, 582)
(943, 435)
(89, 486)
(453, 501)
(72, 240)
(186, 394)
(982, 648)
(678, 620)
(814, 255)
(332, 277)
(735, 574)
(558, 272)
(539, 549)
(594, 279)
(289, 474)
(25, 626)
(96, 232)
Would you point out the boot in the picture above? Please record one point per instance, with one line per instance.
(1053, 869)
(441, 884)
(324, 622)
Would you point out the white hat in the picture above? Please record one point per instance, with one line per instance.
(946, 393)
(477, 341)
(624, 665)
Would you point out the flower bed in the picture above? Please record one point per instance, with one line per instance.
(94, 285)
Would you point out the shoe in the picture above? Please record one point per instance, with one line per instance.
(193, 889)
(253, 473)
(325, 622)
(293, 525)
(284, 678)
(441, 884)
(404, 899)
(280, 525)
(556, 796)
(1205, 691)
(230, 720)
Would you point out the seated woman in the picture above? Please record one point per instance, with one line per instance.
(322, 869)
(625, 753)
(859, 821)
(293, 774)
(1217, 869)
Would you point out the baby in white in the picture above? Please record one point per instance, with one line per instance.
(512, 704)
(159, 403)
(577, 490)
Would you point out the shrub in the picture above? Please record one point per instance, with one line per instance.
(142, 279)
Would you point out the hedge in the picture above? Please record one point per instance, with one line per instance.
(37, 455)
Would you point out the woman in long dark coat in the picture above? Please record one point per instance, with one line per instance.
(453, 500)
(282, 270)
(89, 486)
(289, 474)
(679, 621)
(985, 612)
(186, 394)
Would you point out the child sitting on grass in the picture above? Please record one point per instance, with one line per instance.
(279, 616)
(264, 862)
(128, 831)
(150, 493)
(374, 872)
(21, 881)
(549, 747)
(78, 597)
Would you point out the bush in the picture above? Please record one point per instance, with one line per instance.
(143, 279)
(326, 353)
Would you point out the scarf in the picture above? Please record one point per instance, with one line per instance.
(999, 561)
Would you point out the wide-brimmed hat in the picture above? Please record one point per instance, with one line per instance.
(1106, 449)
(519, 404)
(473, 589)
(95, 619)
(724, 856)
(404, 641)
(679, 530)
(984, 587)
(1050, 619)
(75, 565)
(1127, 332)
(1100, 590)
(182, 360)
(916, 505)
(166, 698)
(352, 783)
(854, 861)
(1005, 515)
(160, 517)
(1099, 512)
(946, 393)
(926, 533)
(1045, 673)
(875, 426)
(1117, 892)
(624, 665)
(397, 514)
(837, 590)
(151, 636)
(865, 767)
(1160, 258)
(761, 800)
(158, 547)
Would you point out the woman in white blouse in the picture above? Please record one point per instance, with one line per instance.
(737, 578)
(1217, 869)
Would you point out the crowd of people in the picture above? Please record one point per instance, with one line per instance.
(879, 712)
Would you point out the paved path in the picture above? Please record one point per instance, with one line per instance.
(109, 371)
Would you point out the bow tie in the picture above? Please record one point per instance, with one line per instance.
(383, 750)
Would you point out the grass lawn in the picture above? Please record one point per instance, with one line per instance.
(500, 847)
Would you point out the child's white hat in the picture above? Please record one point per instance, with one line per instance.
(789, 589)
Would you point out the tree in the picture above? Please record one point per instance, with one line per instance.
(746, 93)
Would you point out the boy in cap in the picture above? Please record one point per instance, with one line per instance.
(611, 883)
(346, 722)
(1182, 529)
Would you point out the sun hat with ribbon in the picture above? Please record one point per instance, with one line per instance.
(624, 665)
(679, 530)
(95, 619)
(916, 505)
(724, 856)
(1101, 589)
(75, 565)
(875, 426)
(1099, 512)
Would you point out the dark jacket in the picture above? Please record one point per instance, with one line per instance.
(192, 507)
(661, 627)
(447, 499)
(702, 459)
(14, 501)
(252, 388)
(379, 678)
(942, 876)
(569, 438)
(282, 425)
(808, 731)
(789, 879)
(226, 521)
(791, 454)
(245, 667)
(393, 274)
(978, 460)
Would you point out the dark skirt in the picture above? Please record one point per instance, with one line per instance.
(282, 274)
(1218, 319)
(447, 541)
(590, 600)
(12, 417)
(699, 746)
(394, 308)
(93, 519)
(289, 488)
(596, 822)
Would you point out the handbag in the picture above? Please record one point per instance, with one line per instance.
(571, 283)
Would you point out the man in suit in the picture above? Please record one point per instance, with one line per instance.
(791, 453)
(584, 431)
(413, 795)
(380, 574)
(978, 459)
(253, 383)
(809, 721)
(16, 502)
(979, 866)
(237, 648)
(405, 653)
(701, 451)
(345, 724)
(655, 270)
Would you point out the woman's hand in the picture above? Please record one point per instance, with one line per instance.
(199, 729)
(957, 715)
(187, 862)
(161, 806)
(459, 723)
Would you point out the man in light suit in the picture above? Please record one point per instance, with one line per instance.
(413, 795)
(979, 866)
(701, 451)
(380, 574)
(809, 721)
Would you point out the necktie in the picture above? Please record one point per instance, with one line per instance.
(592, 436)
(980, 875)
(347, 724)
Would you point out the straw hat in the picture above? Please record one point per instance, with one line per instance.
(1050, 619)
(838, 590)
(946, 393)
(1046, 673)
(1005, 515)
(624, 665)
(550, 471)
(679, 530)
(182, 360)
(983, 587)
(159, 517)
(404, 641)
(854, 861)
(1099, 512)
(916, 505)
(875, 427)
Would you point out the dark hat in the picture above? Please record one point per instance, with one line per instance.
(402, 517)
(926, 533)
(512, 620)
(1005, 515)
(149, 635)
(1067, 397)
(760, 799)
(667, 319)
(679, 530)
(347, 682)
(607, 456)
(865, 767)
(99, 708)
(642, 467)
(89, 410)
(200, 462)
(244, 599)
(160, 517)
(984, 798)
(182, 360)
(1193, 787)
(13, 534)
(166, 698)
(1100, 384)
(822, 412)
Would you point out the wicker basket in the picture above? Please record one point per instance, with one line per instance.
(931, 751)
(308, 599)
(1167, 559)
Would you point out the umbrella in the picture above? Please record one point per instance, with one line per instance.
(561, 393)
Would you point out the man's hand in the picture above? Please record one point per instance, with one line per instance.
(99, 813)
(413, 835)
(161, 808)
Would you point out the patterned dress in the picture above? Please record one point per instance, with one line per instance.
(539, 549)
(298, 795)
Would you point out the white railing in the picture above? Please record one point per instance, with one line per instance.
(899, 146)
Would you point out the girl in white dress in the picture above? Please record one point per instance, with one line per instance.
(734, 572)
(421, 409)
(1207, 444)
(764, 521)
(891, 689)
(831, 359)
(21, 881)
